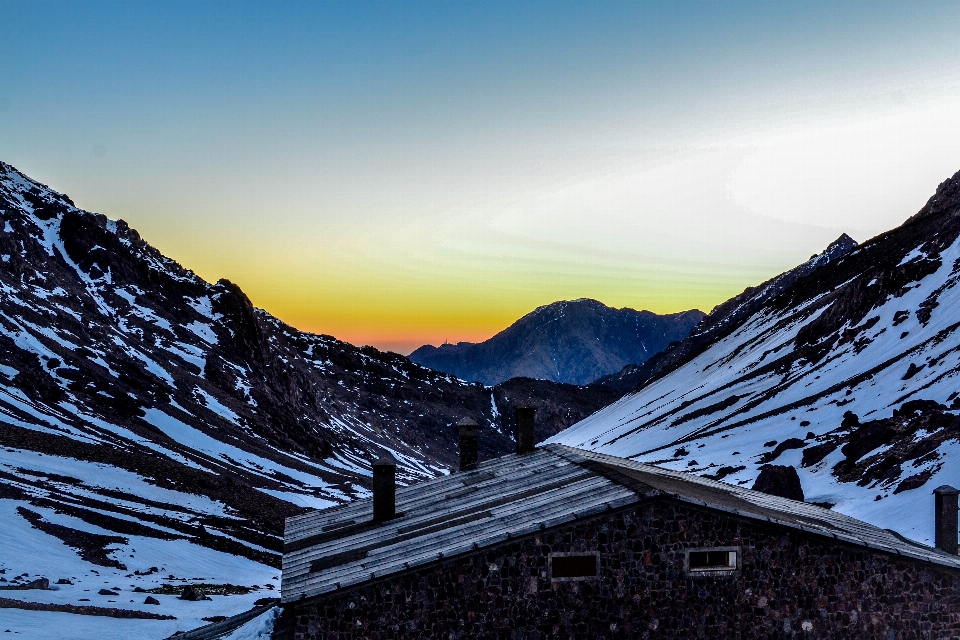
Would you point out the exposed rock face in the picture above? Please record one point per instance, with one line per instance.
(845, 368)
(902, 452)
(779, 480)
(114, 355)
(574, 342)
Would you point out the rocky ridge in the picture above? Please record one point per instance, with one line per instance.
(722, 320)
(573, 342)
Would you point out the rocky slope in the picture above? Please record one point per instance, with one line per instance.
(156, 429)
(574, 342)
(847, 371)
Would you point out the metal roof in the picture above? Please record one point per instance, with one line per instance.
(519, 494)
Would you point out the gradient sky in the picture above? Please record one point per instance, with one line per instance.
(400, 173)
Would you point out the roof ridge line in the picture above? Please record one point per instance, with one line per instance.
(641, 489)
(752, 510)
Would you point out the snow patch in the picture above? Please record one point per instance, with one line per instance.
(214, 405)
(913, 255)
(260, 628)
(203, 331)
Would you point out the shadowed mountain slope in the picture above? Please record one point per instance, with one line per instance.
(574, 342)
(153, 422)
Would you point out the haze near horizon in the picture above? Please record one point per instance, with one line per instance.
(408, 173)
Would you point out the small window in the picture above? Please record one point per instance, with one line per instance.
(573, 566)
(713, 559)
(717, 560)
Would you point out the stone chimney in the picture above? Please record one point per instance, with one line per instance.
(945, 514)
(468, 444)
(384, 488)
(526, 440)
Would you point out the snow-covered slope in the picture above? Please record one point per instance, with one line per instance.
(850, 374)
(149, 419)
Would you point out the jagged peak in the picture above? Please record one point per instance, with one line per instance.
(945, 199)
(843, 241)
(21, 183)
(563, 303)
(950, 186)
(836, 249)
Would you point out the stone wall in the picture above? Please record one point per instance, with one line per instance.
(789, 585)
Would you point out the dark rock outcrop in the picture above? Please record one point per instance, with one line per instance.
(192, 594)
(557, 405)
(779, 480)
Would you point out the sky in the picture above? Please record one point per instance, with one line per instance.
(403, 173)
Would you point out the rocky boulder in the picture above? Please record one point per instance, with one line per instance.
(779, 480)
(191, 593)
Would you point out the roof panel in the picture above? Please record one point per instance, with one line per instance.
(754, 504)
(517, 495)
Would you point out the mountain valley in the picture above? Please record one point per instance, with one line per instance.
(156, 429)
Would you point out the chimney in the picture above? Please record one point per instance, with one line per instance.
(384, 488)
(468, 444)
(526, 441)
(945, 514)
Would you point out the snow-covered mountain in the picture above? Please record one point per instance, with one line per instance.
(572, 341)
(846, 368)
(156, 429)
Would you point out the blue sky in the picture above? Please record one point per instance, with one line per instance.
(403, 172)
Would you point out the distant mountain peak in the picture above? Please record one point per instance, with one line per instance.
(841, 246)
(572, 341)
(561, 305)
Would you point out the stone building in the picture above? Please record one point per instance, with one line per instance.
(556, 542)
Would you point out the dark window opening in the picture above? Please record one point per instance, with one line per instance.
(713, 560)
(584, 566)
